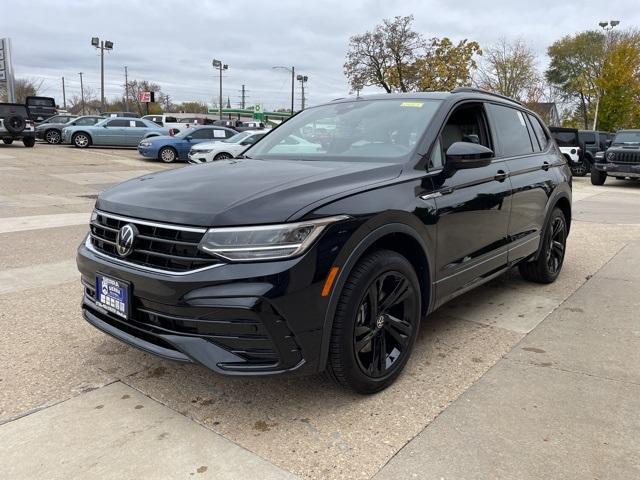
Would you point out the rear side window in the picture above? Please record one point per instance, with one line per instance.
(138, 123)
(539, 132)
(511, 129)
(119, 123)
(170, 119)
(202, 133)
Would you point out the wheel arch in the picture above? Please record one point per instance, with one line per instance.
(73, 135)
(562, 200)
(398, 237)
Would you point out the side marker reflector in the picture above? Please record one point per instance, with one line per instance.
(328, 283)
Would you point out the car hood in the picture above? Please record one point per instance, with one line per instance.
(239, 192)
(162, 139)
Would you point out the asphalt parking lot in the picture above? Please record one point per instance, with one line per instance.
(73, 401)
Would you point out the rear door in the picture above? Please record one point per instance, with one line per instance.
(525, 146)
(136, 131)
(473, 207)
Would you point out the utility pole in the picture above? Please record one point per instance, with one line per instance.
(81, 92)
(302, 79)
(293, 82)
(126, 89)
(64, 96)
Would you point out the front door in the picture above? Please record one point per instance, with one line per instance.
(472, 208)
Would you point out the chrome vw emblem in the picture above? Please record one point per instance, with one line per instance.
(380, 321)
(125, 239)
(611, 156)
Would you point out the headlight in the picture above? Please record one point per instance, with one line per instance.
(200, 151)
(268, 242)
(145, 144)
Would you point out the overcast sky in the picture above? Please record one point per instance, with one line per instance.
(172, 42)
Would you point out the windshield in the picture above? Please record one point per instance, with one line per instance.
(361, 130)
(237, 138)
(627, 137)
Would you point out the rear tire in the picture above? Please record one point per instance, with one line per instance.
(167, 155)
(375, 324)
(547, 267)
(29, 142)
(7, 141)
(598, 177)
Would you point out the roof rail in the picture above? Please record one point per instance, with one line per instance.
(485, 92)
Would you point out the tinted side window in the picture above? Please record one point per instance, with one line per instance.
(170, 119)
(202, 133)
(118, 123)
(540, 134)
(140, 124)
(511, 129)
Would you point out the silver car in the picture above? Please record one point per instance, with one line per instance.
(115, 131)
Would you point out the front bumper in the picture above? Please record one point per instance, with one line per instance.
(236, 319)
(196, 157)
(148, 152)
(619, 169)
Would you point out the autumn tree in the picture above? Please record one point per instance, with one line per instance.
(619, 84)
(396, 58)
(575, 65)
(509, 68)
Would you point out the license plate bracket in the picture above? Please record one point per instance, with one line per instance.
(113, 295)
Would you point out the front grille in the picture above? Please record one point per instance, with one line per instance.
(158, 246)
(626, 157)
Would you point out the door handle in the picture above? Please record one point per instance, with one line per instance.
(500, 176)
(545, 166)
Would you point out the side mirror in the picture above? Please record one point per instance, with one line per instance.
(462, 155)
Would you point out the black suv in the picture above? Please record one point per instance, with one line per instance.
(621, 160)
(16, 125)
(306, 257)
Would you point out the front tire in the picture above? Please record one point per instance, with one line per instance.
(376, 323)
(81, 140)
(53, 137)
(7, 141)
(222, 156)
(598, 177)
(29, 142)
(167, 155)
(546, 268)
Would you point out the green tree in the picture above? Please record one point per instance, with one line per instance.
(445, 65)
(576, 63)
(620, 85)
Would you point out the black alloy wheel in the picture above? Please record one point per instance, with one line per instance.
(376, 322)
(546, 267)
(53, 137)
(383, 326)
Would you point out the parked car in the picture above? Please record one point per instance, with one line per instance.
(240, 125)
(222, 150)
(15, 124)
(569, 143)
(51, 132)
(120, 114)
(168, 121)
(186, 122)
(621, 160)
(116, 131)
(329, 259)
(40, 108)
(60, 118)
(172, 148)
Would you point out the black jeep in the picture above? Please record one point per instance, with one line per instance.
(621, 160)
(15, 124)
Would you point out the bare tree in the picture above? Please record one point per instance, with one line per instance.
(509, 68)
(26, 87)
(137, 86)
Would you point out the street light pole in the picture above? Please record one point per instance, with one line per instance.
(607, 27)
(102, 45)
(126, 89)
(220, 66)
(64, 95)
(302, 79)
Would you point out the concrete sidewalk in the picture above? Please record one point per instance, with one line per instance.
(564, 404)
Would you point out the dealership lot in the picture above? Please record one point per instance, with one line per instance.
(64, 383)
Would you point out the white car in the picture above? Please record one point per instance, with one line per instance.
(229, 148)
(168, 121)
